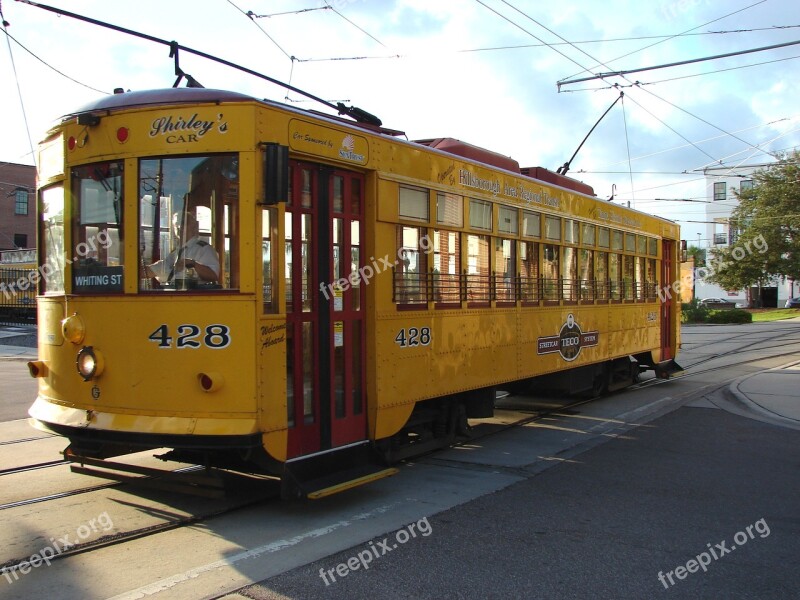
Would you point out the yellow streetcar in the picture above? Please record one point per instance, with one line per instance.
(278, 291)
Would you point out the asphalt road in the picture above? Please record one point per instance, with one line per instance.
(604, 525)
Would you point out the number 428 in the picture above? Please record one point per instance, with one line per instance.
(216, 336)
(413, 336)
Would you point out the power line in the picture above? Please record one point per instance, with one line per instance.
(16, 80)
(676, 64)
(354, 25)
(51, 67)
(599, 64)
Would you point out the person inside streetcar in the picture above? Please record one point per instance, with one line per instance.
(193, 259)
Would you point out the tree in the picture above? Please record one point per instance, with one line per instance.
(767, 224)
(698, 254)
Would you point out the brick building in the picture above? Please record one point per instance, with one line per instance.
(17, 206)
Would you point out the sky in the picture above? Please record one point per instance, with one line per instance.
(482, 71)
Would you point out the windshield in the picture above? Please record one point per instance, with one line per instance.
(97, 250)
(187, 224)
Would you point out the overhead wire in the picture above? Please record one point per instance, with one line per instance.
(606, 63)
(5, 25)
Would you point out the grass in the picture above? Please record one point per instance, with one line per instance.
(765, 315)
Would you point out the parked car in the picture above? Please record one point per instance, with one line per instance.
(717, 303)
(793, 303)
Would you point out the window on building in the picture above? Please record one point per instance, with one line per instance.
(720, 189)
(20, 240)
(746, 185)
(21, 202)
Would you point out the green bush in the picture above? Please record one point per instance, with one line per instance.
(730, 316)
(694, 312)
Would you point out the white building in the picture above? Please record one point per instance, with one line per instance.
(722, 185)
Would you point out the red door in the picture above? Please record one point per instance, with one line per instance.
(325, 282)
(667, 277)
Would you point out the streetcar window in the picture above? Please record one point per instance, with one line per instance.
(529, 271)
(450, 209)
(51, 238)
(268, 277)
(630, 242)
(447, 266)
(571, 231)
(478, 274)
(628, 275)
(96, 229)
(507, 220)
(651, 274)
(640, 278)
(531, 224)
(601, 275)
(411, 273)
(505, 268)
(603, 237)
(550, 272)
(569, 273)
(614, 276)
(480, 214)
(552, 228)
(641, 244)
(588, 234)
(188, 225)
(652, 246)
(616, 240)
(414, 203)
(586, 274)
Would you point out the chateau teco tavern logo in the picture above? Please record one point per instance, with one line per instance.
(569, 340)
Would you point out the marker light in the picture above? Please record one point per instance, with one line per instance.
(72, 142)
(37, 368)
(122, 135)
(73, 329)
(90, 363)
(211, 381)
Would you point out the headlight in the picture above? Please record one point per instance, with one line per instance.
(90, 363)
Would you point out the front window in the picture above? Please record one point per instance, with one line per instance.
(52, 239)
(187, 223)
(96, 231)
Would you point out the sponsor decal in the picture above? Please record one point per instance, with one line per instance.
(569, 341)
(324, 141)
